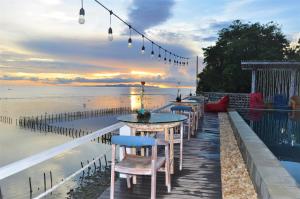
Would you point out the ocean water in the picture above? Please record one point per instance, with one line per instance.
(17, 143)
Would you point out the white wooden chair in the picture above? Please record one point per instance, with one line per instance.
(190, 122)
(140, 165)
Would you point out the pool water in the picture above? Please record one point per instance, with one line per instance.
(280, 131)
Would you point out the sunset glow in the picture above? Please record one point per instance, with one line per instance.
(53, 49)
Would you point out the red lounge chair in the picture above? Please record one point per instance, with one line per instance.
(256, 101)
(219, 106)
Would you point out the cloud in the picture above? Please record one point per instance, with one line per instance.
(209, 38)
(17, 62)
(218, 25)
(16, 78)
(148, 13)
(99, 49)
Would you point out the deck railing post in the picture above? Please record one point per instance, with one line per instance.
(253, 81)
(292, 84)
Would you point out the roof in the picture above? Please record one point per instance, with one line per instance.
(251, 65)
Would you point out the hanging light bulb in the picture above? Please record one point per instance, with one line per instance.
(159, 56)
(170, 58)
(143, 47)
(110, 31)
(165, 59)
(129, 40)
(81, 19)
(152, 52)
(174, 59)
(187, 61)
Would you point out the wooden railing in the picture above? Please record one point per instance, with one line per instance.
(236, 100)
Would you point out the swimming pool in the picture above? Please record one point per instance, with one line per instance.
(280, 131)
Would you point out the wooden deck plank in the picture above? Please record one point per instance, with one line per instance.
(200, 177)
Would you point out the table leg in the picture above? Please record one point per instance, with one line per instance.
(142, 149)
(167, 138)
(172, 149)
(181, 146)
(133, 151)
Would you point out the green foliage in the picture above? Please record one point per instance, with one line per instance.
(293, 52)
(241, 41)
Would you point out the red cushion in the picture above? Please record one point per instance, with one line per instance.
(256, 100)
(220, 106)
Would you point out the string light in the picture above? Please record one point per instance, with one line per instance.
(110, 32)
(174, 59)
(170, 58)
(81, 19)
(159, 56)
(165, 59)
(152, 52)
(129, 40)
(143, 47)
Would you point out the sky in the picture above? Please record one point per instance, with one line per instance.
(42, 43)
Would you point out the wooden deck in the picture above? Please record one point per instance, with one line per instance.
(200, 177)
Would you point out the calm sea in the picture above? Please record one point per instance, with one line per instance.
(17, 143)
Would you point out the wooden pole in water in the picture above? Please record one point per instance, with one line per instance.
(1, 197)
(45, 186)
(100, 164)
(50, 179)
(94, 164)
(30, 186)
(105, 160)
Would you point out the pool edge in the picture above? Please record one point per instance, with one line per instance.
(262, 166)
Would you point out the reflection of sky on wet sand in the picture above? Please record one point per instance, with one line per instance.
(18, 143)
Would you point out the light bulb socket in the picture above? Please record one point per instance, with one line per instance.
(129, 42)
(110, 31)
(81, 12)
(143, 50)
(110, 34)
(152, 53)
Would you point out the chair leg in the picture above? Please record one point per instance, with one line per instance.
(167, 169)
(128, 181)
(153, 185)
(112, 182)
(189, 129)
(168, 176)
(134, 179)
(197, 119)
(181, 146)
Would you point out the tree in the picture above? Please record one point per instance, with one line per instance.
(240, 41)
(293, 52)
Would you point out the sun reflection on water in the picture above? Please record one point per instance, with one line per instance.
(134, 99)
